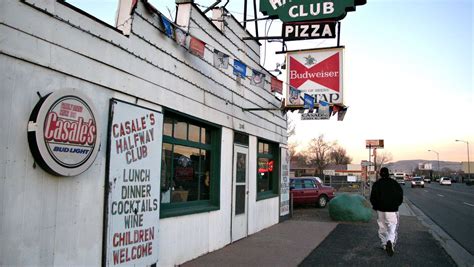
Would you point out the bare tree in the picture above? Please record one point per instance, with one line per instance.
(338, 155)
(300, 158)
(318, 153)
(383, 158)
(292, 148)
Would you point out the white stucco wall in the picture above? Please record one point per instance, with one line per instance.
(46, 46)
(44, 219)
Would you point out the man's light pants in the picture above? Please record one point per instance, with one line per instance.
(388, 226)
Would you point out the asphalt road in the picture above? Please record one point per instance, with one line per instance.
(450, 207)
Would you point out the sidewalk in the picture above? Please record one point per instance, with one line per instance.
(310, 238)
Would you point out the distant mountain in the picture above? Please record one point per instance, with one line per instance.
(409, 165)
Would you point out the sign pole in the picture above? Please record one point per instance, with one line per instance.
(368, 167)
(255, 16)
(338, 33)
(245, 14)
(375, 162)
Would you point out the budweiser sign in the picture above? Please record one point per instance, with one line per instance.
(63, 133)
(317, 73)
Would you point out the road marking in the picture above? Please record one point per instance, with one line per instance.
(440, 195)
(426, 191)
(472, 205)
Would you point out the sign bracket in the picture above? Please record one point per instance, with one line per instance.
(309, 49)
(261, 109)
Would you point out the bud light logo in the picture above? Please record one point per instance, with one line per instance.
(63, 133)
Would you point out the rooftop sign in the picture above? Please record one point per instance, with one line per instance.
(377, 143)
(305, 10)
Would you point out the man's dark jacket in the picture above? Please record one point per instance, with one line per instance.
(386, 195)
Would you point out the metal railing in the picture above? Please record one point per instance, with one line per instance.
(341, 185)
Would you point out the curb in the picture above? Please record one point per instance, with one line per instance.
(461, 256)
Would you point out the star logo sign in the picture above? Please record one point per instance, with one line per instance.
(309, 60)
(325, 73)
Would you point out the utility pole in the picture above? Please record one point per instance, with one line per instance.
(437, 154)
(370, 163)
(468, 161)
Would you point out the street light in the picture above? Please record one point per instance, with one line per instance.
(437, 154)
(468, 162)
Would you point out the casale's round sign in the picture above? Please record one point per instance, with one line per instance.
(63, 133)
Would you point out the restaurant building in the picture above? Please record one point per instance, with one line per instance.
(132, 144)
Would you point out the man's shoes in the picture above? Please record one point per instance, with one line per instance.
(389, 248)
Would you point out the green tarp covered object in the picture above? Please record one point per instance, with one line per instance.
(350, 207)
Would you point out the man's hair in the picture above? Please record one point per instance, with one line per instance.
(384, 172)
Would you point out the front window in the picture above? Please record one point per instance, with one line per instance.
(309, 184)
(296, 184)
(267, 169)
(190, 163)
(187, 177)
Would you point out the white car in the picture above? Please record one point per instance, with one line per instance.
(417, 181)
(445, 181)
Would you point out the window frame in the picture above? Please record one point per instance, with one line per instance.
(273, 154)
(185, 208)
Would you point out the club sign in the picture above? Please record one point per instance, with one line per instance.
(63, 133)
(304, 10)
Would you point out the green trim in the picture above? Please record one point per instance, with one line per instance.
(179, 115)
(186, 208)
(175, 141)
(215, 188)
(270, 156)
(266, 195)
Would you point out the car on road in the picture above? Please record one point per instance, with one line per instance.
(417, 182)
(427, 179)
(399, 177)
(310, 190)
(445, 181)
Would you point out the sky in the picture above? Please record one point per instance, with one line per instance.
(408, 75)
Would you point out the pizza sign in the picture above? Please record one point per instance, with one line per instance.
(63, 133)
(317, 73)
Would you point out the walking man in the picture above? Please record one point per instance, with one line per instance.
(386, 197)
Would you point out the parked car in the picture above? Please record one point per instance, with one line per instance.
(445, 181)
(417, 181)
(427, 179)
(310, 190)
